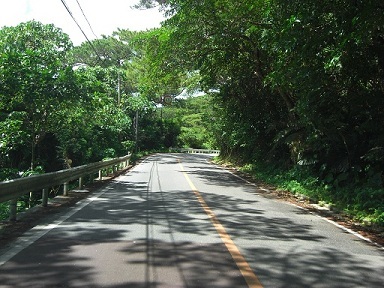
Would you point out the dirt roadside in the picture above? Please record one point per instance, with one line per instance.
(374, 235)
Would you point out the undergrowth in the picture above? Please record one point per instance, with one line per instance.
(363, 204)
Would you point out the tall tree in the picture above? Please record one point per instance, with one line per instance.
(34, 77)
(220, 41)
(300, 81)
(330, 56)
(93, 126)
(105, 52)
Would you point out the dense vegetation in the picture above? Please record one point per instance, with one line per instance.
(300, 88)
(63, 106)
(294, 93)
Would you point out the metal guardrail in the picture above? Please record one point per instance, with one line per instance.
(12, 189)
(194, 151)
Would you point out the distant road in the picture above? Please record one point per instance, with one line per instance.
(175, 220)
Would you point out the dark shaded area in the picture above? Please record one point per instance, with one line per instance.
(159, 237)
(325, 267)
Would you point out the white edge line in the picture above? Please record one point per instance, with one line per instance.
(358, 235)
(34, 234)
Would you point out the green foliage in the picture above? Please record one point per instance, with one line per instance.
(59, 115)
(35, 171)
(85, 128)
(109, 153)
(323, 52)
(8, 174)
(108, 51)
(52, 113)
(290, 84)
(195, 115)
(191, 133)
(363, 203)
(14, 138)
(297, 84)
(4, 211)
(34, 80)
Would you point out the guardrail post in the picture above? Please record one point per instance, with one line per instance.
(44, 199)
(30, 200)
(12, 209)
(80, 182)
(66, 188)
(22, 186)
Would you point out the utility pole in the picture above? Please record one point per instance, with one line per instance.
(118, 87)
(118, 82)
(136, 129)
(136, 124)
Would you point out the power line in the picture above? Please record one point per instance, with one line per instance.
(86, 18)
(85, 35)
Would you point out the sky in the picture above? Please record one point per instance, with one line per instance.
(104, 16)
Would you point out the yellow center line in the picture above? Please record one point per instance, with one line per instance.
(242, 264)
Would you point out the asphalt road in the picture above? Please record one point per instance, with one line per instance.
(177, 221)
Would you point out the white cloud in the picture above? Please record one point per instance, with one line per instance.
(104, 16)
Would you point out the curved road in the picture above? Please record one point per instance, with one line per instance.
(176, 220)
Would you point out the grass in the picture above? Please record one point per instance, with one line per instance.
(363, 204)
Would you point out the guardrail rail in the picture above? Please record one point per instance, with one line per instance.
(194, 151)
(11, 190)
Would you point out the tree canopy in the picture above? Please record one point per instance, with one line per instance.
(298, 82)
(53, 113)
(297, 85)
(34, 79)
(289, 84)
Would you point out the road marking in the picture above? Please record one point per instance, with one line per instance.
(242, 264)
(34, 234)
(315, 213)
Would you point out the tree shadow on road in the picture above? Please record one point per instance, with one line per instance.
(156, 238)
